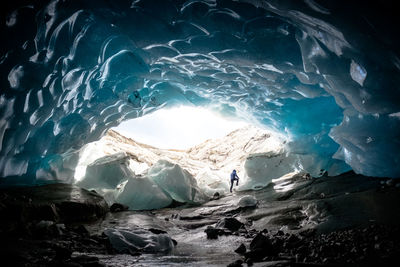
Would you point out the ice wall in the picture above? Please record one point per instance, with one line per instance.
(157, 187)
(326, 73)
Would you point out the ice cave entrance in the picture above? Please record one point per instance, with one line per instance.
(179, 127)
(184, 154)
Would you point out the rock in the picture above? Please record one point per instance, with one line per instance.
(247, 202)
(249, 262)
(260, 247)
(216, 196)
(157, 231)
(280, 233)
(237, 263)
(390, 182)
(51, 202)
(85, 260)
(47, 212)
(62, 253)
(292, 241)
(212, 232)
(229, 223)
(81, 230)
(260, 241)
(116, 207)
(307, 232)
(241, 249)
(45, 229)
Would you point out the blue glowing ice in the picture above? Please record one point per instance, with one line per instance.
(70, 70)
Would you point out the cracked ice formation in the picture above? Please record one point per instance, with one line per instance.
(112, 177)
(325, 73)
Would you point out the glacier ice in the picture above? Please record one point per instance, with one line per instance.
(178, 183)
(211, 181)
(194, 175)
(163, 183)
(191, 176)
(107, 172)
(325, 75)
(133, 240)
(115, 175)
(141, 193)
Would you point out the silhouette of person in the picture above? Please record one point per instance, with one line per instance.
(234, 178)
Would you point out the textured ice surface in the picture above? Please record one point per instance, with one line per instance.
(162, 183)
(70, 70)
(112, 177)
(178, 183)
(132, 240)
(141, 193)
(107, 172)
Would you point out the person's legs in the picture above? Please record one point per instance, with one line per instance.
(231, 185)
(237, 181)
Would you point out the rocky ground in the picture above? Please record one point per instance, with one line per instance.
(348, 220)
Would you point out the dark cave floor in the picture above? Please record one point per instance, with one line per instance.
(333, 221)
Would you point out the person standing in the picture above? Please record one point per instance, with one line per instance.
(234, 177)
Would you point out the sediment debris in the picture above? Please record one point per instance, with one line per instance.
(374, 245)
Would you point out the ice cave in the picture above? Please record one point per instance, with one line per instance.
(316, 83)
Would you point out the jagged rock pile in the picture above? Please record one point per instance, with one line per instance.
(374, 245)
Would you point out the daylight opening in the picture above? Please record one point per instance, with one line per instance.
(179, 127)
(182, 153)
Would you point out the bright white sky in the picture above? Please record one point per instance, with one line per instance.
(178, 128)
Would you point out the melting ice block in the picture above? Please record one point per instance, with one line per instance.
(141, 193)
(178, 183)
(125, 241)
(211, 181)
(107, 172)
(261, 168)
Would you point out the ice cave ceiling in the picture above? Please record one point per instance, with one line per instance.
(324, 72)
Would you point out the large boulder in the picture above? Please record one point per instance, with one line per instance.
(229, 223)
(52, 202)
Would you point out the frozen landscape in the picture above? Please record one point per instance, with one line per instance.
(315, 81)
(115, 163)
